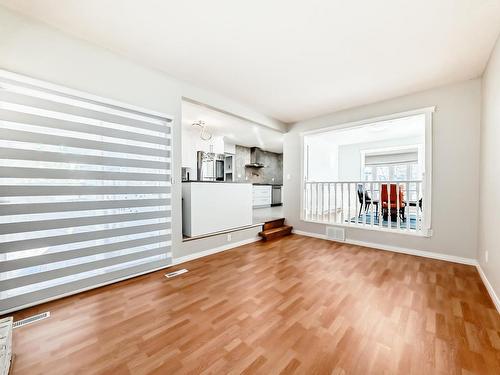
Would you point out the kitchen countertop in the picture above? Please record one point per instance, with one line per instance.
(234, 182)
(218, 182)
(261, 184)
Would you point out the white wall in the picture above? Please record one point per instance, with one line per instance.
(323, 160)
(489, 240)
(455, 168)
(39, 51)
(349, 157)
(189, 151)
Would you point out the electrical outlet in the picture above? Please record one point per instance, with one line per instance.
(486, 256)
(229, 237)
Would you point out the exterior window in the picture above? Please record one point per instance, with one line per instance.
(382, 173)
(393, 172)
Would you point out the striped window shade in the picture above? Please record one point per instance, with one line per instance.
(85, 193)
(392, 158)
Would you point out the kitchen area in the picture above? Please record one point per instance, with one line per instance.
(232, 172)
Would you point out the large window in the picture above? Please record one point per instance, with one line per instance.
(392, 172)
(84, 191)
(395, 172)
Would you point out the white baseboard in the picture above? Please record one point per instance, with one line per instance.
(397, 249)
(215, 250)
(489, 288)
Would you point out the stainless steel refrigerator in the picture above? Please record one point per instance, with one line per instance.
(210, 166)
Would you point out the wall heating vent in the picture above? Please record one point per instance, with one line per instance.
(176, 273)
(335, 233)
(31, 319)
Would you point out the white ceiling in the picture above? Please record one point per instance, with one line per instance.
(235, 130)
(290, 59)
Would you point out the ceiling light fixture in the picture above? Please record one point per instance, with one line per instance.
(204, 134)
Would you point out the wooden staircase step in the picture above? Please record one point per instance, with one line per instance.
(272, 233)
(274, 224)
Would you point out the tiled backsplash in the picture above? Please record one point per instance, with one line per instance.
(273, 167)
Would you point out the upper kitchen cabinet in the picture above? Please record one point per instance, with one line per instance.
(229, 148)
(188, 148)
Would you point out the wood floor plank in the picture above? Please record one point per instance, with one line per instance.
(297, 305)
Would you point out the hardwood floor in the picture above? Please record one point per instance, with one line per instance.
(296, 305)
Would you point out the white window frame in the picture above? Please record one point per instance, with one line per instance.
(426, 176)
(382, 150)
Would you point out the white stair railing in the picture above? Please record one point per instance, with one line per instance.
(366, 204)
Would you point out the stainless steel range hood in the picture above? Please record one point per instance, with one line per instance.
(255, 158)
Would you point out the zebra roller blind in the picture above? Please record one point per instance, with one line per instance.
(84, 191)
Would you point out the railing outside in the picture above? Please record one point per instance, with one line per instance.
(366, 204)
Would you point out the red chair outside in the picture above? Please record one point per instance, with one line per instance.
(393, 205)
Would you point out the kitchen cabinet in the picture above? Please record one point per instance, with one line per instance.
(228, 168)
(262, 196)
(209, 207)
(229, 148)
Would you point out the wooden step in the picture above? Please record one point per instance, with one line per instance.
(270, 234)
(274, 224)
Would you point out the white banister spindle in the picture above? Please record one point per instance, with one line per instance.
(356, 186)
(342, 202)
(329, 202)
(366, 193)
(407, 208)
(389, 201)
(314, 200)
(320, 201)
(304, 209)
(422, 212)
(398, 219)
(418, 226)
(335, 187)
(381, 218)
(316, 205)
(363, 206)
(318, 198)
(372, 196)
(325, 206)
(380, 204)
(349, 203)
(306, 200)
(309, 205)
(320, 211)
(323, 201)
